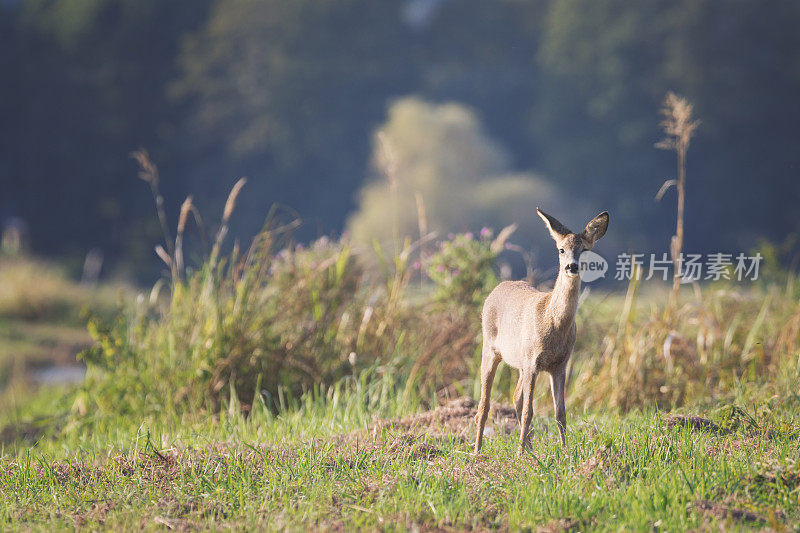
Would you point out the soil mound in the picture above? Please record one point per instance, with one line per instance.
(455, 418)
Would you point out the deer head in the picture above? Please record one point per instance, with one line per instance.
(570, 245)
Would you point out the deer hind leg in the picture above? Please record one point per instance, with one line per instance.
(528, 381)
(518, 398)
(557, 382)
(489, 362)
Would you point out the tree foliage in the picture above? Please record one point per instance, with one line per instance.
(290, 92)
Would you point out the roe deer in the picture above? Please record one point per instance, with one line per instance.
(534, 331)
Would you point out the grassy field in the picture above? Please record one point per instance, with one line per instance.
(121, 452)
(349, 459)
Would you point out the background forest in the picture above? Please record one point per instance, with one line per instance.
(539, 102)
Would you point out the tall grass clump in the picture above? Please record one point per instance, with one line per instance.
(633, 355)
(250, 324)
(278, 319)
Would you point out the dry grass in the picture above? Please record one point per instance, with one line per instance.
(637, 357)
(679, 127)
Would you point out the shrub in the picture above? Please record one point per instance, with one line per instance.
(462, 270)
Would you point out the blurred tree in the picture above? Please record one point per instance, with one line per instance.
(286, 92)
(441, 154)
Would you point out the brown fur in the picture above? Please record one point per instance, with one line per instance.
(534, 331)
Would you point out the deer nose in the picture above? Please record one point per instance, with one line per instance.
(572, 268)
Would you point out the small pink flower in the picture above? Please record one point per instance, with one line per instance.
(456, 273)
(416, 265)
(451, 236)
(439, 268)
(485, 231)
(509, 246)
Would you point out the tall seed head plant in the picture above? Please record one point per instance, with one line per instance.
(678, 129)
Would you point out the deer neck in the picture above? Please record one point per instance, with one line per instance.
(564, 300)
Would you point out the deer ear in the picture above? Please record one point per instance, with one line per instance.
(596, 227)
(557, 229)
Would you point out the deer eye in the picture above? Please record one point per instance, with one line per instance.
(561, 251)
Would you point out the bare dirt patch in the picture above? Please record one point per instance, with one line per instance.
(95, 514)
(79, 474)
(723, 511)
(732, 446)
(775, 476)
(600, 461)
(604, 462)
(453, 419)
(559, 526)
(697, 423)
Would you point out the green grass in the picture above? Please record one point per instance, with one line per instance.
(323, 463)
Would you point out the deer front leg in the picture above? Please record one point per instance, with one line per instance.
(489, 362)
(557, 381)
(528, 381)
(518, 398)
